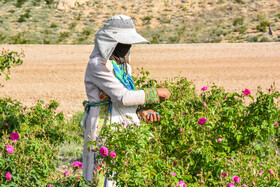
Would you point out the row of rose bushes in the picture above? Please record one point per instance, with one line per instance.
(205, 138)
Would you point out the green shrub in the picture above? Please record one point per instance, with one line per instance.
(242, 29)
(264, 39)
(262, 27)
(9, 59)
(238, 139)
(238, 21)
(53, 25)
(19, 3)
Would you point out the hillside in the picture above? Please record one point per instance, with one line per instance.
(160, 21)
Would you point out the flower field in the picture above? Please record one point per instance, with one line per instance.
(206, 138)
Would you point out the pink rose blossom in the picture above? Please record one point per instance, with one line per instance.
(14, 136)
(79, 177)
(276, 123)
(204, 104)
(225, 164)
(124, 163)
(230, 161)
(94, 172)
(10, 149)
(216, 103)
(268, 176)
(174, 164)
(78, 164)
(253, 183)
(123, 122)
(224, 174)
(204, 88)
(246, 92)
(191, 150)
(8, 176)
(217, 158)
(43, 130)
(219, 139)
(201, 121)
(66, 173)
(175, 115)
(181, 130)
(103, 151)
(250, 162)
(28, 158)
(236, 179)
(28, 166)
(245, 185)
(230, 185)
(49, 185)
(174, 174)
(253, 158)
(184, 112)
(113, 154)
(276, 151)
(270, 171)
(181, 184)
(6, 124)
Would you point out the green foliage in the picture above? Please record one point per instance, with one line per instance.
(240, 1)
(242, 29)
(19, 3)
(53, 25)
(178, 144)
(238, 21)
(8, 60)
(264, 39)
(262, 27)
(49, 2)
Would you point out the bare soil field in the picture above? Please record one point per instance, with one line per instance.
(57, 71)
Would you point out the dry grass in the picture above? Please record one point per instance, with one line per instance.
(161, 21)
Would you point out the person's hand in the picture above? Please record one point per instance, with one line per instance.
(163, 93)
(149, 116)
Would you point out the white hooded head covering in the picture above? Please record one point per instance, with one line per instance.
(117, 29)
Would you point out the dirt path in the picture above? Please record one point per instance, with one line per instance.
(57, 71)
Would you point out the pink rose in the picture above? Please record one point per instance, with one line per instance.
(174, 174)
(236, 179)
(204, 104)
(276, 123)
(103, 151)
(204, 88)
(253, 158)
(66, 173)
(230, 161)
(155, 128)
(79, 177)
(8, 176)
(49, 185)
(124, 163)
(181, 130)
(113, 154)
(245, 185)
(6, 124)
(216, 103)
(276, 151)
(10, 149)
(174, 164)
(219, 139)
(28, 166)
(230, 185)
(253, 183)
(224, 174)
(246, 92)
(270, 171)
(14, 136)
(217, 158)
(181, 184)
(78, 164)
(184, 112)
(201, 121)
(191, 150)
(43, 130)
(175, 115)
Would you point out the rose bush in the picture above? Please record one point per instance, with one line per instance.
(215, 138)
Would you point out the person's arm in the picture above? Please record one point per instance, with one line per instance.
(105, 80)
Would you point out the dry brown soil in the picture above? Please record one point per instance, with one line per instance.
(57, 71)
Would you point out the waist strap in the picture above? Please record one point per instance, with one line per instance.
(87, 104)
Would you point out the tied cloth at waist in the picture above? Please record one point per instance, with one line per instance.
(87, 105)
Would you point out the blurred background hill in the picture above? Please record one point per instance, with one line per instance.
(160, 21)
